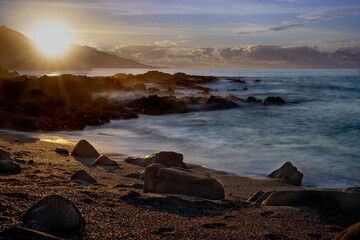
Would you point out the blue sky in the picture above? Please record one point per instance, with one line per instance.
(186, 24)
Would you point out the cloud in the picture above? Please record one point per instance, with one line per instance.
(251, 56)
(310, 18)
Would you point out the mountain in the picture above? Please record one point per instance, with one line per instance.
(21, 53)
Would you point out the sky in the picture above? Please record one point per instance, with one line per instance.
(202, 33)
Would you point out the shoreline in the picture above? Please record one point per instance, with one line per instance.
(108, 216)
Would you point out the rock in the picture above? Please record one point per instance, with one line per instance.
(351, 233)
(5, 155)
(62, 151)
(139, 175)
(56, 214)
(250, 99)
(84, 149)
(26, 234)
(168, 159)
(160, 179)
(104, 161)
(354, 189)
(216, 103)
(331, 201)
(82, 176)
(274, 101)
(289, 173)
(9, 167)
(245, 89)
(255, 196)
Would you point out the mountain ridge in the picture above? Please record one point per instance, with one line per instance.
(19, 52)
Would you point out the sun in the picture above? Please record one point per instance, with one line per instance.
(52, 38)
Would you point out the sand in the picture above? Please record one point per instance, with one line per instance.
(110, 217)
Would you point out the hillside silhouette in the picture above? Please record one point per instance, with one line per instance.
(21, 53)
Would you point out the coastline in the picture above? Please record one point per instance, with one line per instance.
(108, 216)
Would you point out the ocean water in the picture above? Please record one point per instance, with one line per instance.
(318, 130)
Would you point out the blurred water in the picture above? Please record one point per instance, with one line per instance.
(318, 130)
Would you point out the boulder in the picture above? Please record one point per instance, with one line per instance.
(168, 159)
(83, 177)
(62, 151)
(331, 201)
(274, 101)
(84, 149)
(351, 233)
(56, 214)
(9, 167)
(5, 155)
(255, 196)
(289, 173)
(104, 161)
(216, 103)
(161, 179)
(26, 234)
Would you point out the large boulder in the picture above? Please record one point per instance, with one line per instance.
(9, 167)
(274, 101)
(289, 173)
(5, 155)
(168, 159)
(351, 233)
(55, 214)
(215, 103)
(105, 161)
(161, 179)
(331, 201)
(83, 177)
(84, 149)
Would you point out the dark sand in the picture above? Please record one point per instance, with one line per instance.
(109, 217)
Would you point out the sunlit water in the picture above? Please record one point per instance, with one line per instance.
(318, 130)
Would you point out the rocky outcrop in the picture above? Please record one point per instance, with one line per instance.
(103, 160)
(84, 149)
(351, 233)
(274, 101)
(289, 173)
(56, 214)
(9, 167)
(83, 177)
(355, 189)
(161, 179)
(216, 103)
(332, 201)
(168, 159)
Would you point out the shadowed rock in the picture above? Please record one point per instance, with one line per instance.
(56, 214)
(62, 151)
(351, 233)
(83, 177)
(168, 159)
(355, 189)
(274, 101)
(255, 196)
(216, 103)
(105, 161)
(25, 234)
(84, 149)
(289, 173)
(5, 155)
(160, 179)
(9, 167)
(331, 201)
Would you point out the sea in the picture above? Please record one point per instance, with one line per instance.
(318, 130)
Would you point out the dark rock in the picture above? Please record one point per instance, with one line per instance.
(31, 162)
(274, 101)
(255, 196)
(251, 99)
(216, 103)
(351, 233)
(62, 151)
(5, 155)
(160, 179)
(257, 81)
(214, 225)
(84, 149)
(245, 89)
(25, 234)
(168, 159)
(105, 161)
(289, 173)
(331, 201)
(56, 214)
(83, 177)
(139, 175)
(163, 230)
(355, 189)
(9, 167)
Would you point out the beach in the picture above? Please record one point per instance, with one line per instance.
(109, 214)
